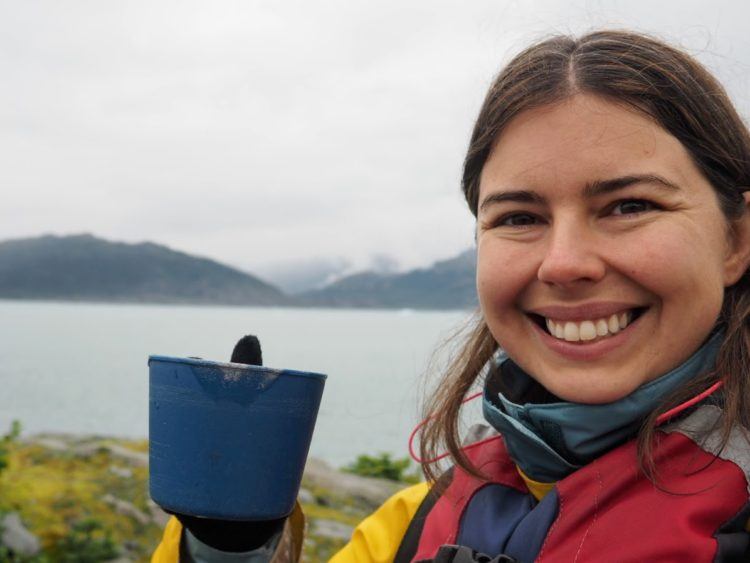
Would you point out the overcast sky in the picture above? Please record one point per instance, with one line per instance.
(263, 133)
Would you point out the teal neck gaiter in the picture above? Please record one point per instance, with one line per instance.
(548, 441)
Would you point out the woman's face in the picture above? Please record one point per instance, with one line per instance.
(602, 251)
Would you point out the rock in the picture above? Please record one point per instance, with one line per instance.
(332, 529)
(136, 458)
(123, 472)
(367, 489)
(127, 509)
(158, 516)
(88, 449)
(51, 443)
(17, 538)
(305, 496)
(132, 457)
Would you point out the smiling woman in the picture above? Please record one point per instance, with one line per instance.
(610, 269)
(609, 177)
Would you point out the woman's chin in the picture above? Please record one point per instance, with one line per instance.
(586, 392)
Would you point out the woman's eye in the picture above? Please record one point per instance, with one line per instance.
(517, 220)
(632, 207)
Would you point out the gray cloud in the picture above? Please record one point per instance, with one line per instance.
(261, 132)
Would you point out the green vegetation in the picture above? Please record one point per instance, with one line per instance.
(6, 442)
(87, 542)
(326, 508)
(70, 493)
(383, 467)
(85, 498)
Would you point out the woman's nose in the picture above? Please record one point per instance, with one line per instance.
(571, 255)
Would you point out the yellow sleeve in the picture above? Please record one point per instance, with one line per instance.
(378, 536)
(376, 539)
(169, 548)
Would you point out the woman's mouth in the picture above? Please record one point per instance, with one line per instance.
(587, 330)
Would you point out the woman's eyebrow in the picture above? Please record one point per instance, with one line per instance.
(516, 196)
(595, 188)
(602, 187)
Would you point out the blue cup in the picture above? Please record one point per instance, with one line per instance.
(229, 441)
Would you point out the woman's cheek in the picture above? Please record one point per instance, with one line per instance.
(500, 278)
(669, 266)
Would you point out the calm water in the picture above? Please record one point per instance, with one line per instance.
(68, 367)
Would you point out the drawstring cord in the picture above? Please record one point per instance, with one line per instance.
(687, 404)
(671, 413)
(421, 425)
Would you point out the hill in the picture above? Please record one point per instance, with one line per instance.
(86, 268)
(448, 284)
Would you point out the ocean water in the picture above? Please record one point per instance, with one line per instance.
(82, 368)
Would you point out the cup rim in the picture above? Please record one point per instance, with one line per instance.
(232, 365)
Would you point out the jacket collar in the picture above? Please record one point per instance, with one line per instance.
(548, 441)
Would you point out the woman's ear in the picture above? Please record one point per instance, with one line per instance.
(738, 258)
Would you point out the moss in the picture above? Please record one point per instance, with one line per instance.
(321, 549)
(347, 503)
(314, 511)
(329, 506)
(61, 495)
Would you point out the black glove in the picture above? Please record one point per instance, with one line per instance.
(233, 535)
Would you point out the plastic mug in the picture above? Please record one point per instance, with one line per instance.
(229, 441)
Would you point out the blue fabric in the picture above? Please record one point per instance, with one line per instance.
(527, 539)
(491, 516)
(502, 520)
(551, 440)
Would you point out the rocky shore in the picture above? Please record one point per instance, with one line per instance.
(85, 498)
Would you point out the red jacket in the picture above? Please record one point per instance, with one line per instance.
(606, 511)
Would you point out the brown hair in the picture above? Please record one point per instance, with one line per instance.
(679, 94)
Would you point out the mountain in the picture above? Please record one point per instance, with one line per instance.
(86, 268)
(445, 285)
(298, 276)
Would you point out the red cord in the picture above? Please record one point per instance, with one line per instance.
(660, 420)
(419, 426)
(687, 404)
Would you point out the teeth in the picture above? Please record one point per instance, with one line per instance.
(571, 332)
(589, 329)
(623, 319)
(602, 329)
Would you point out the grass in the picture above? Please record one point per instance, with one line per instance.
(60, 494)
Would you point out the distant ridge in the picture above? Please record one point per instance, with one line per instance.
(449, 284)
(87, 268)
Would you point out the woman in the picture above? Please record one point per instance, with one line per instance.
(608, 177)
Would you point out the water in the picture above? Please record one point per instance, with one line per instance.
(82, 368)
